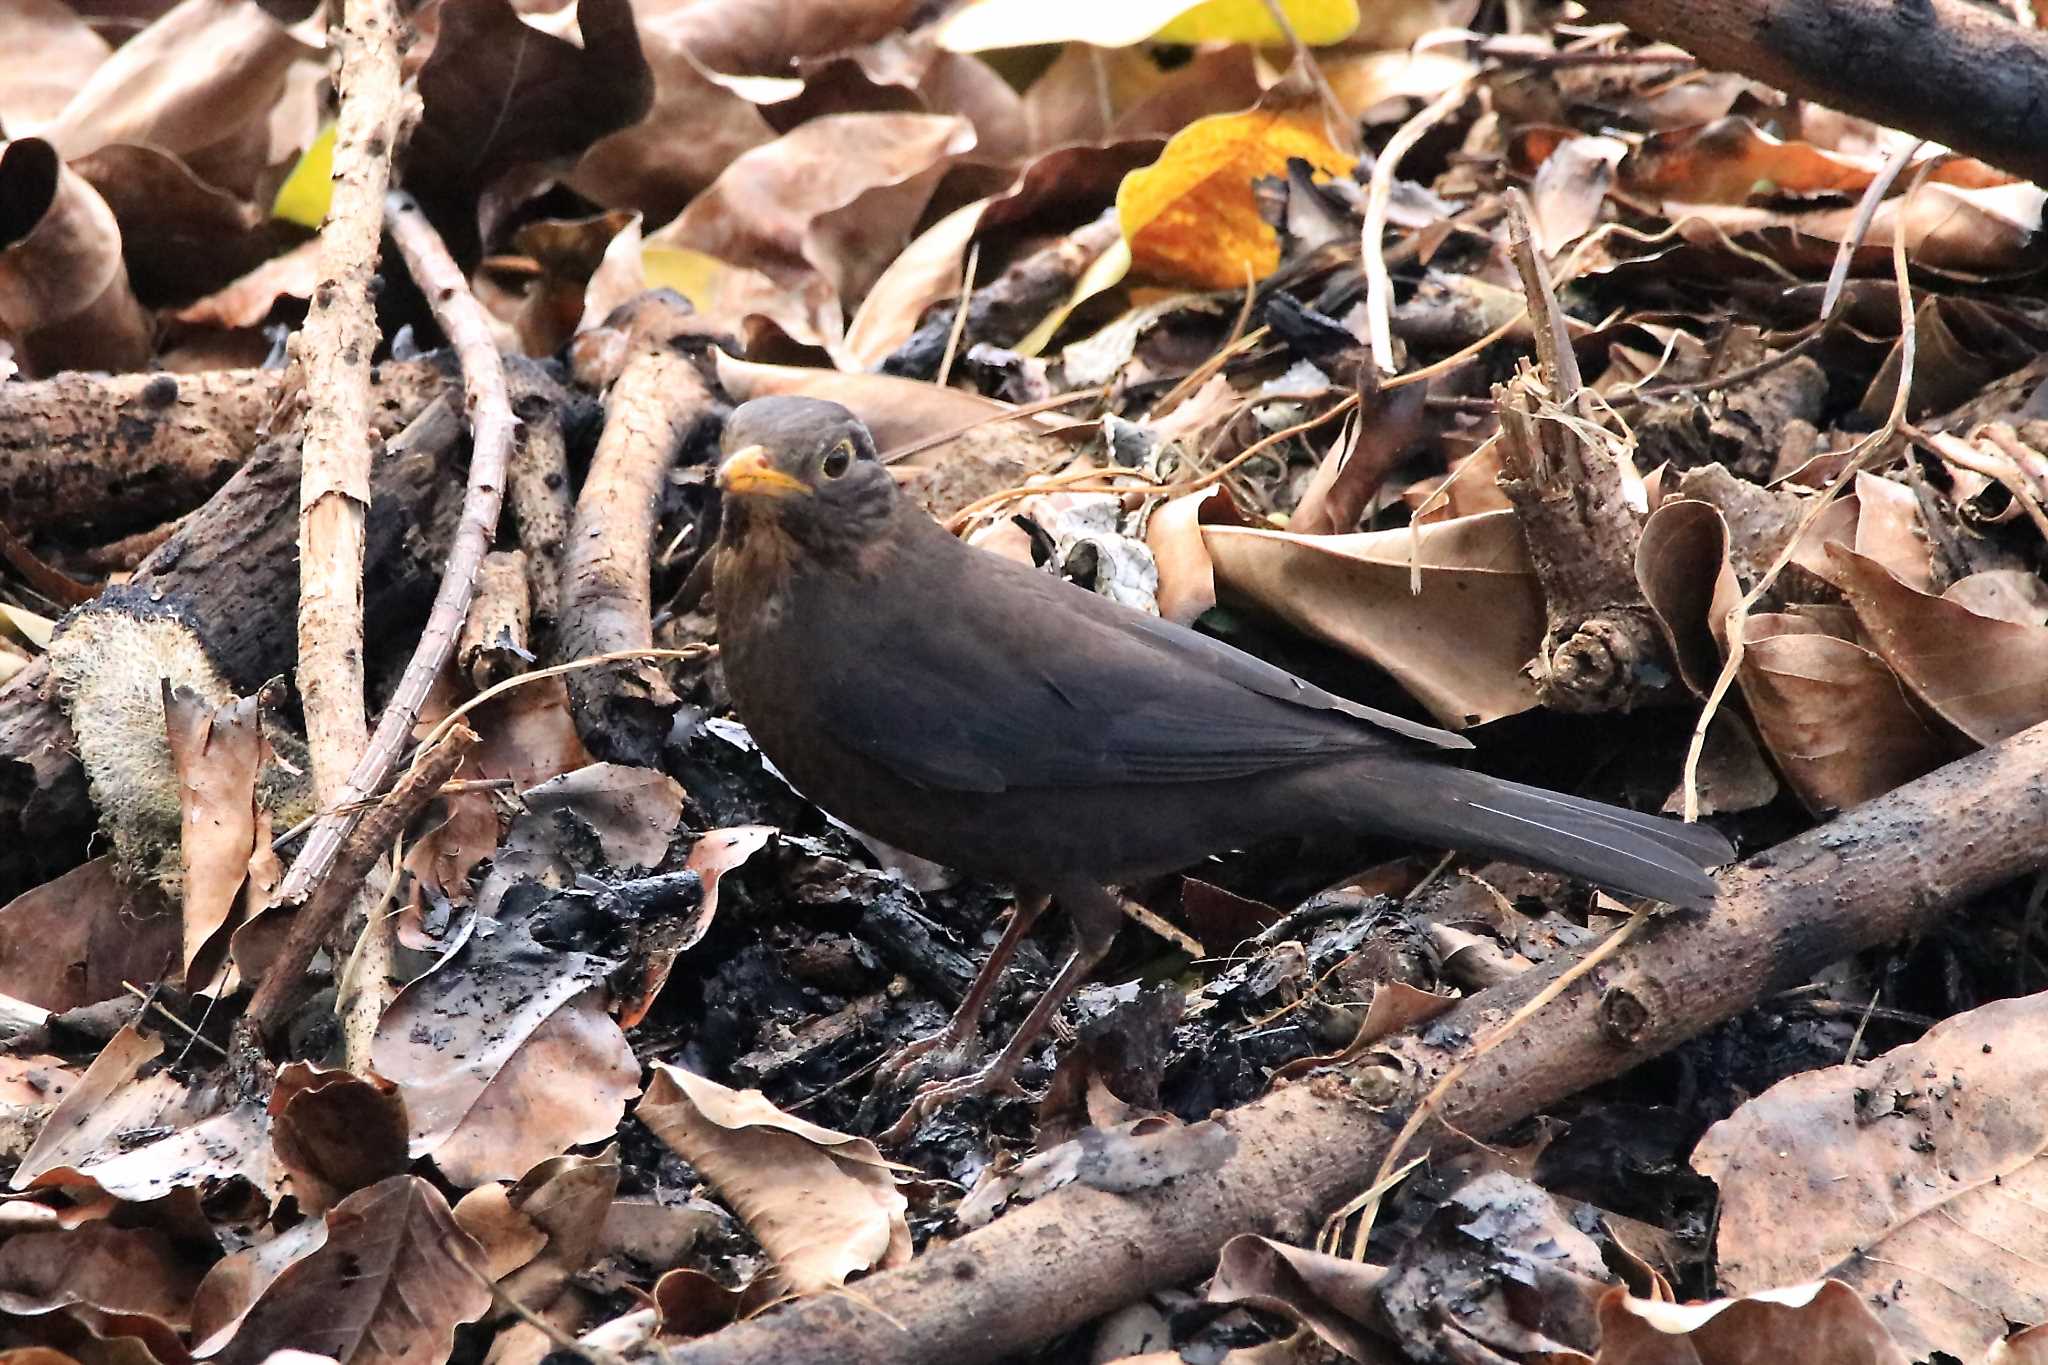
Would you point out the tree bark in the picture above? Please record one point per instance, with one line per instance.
(1889, 868)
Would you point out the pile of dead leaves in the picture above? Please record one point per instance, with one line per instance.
(1224, 310)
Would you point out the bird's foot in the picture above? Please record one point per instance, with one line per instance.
(935, 1057)
(997, 1078)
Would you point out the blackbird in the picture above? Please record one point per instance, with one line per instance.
(1006, 723)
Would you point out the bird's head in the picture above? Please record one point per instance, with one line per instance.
(806, 467)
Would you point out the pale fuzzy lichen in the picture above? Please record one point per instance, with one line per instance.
(108, 664)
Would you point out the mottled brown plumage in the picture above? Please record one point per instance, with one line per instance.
(1004, 722)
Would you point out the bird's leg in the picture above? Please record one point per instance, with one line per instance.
(966, 1020)
(1096, 915)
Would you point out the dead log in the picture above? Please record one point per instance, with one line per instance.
(1887, 869)
(1959, 73)
(108, 454)
(232, 569)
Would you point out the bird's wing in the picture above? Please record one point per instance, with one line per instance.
(980, 675)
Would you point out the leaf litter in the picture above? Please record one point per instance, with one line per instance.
(1100, 276)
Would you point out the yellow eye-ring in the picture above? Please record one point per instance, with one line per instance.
(838, 460)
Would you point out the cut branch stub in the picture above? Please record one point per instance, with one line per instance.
(1601, 647)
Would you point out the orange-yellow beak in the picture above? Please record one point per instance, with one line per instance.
(747, 472)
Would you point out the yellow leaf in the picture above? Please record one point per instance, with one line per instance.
(1249, 21)
(987, 24)
(303, 197)
(1189, 216)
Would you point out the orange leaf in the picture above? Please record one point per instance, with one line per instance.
(1189, 216)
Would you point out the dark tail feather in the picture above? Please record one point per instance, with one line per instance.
(1622, 850)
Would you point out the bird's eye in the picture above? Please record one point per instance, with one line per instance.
(838, 460)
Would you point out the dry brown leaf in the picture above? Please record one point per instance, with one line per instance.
(2028, 1347)
(1395, 1006)
(823, 1204)
(565, 1199)
(47, 53)
(231, 1143)
(1086, 90)
(388, 1286)
(1569, 188)
(498, 94)
(234, 1284)
(2003, 594)
(986, 24)
(508, 1238)
(1832, 714)
(443, 858)
(1816, 1324)
(1911, 1177)
(76, 938)
(1332, 1297)
(695, 129)
(1377, 86)
(98, 1266)
(1683, 569)
(65, 302)
(821, 211)
(1386, 426)
(1190, 217)
(248, 300)
(218, 752)
(1986, 677)
(334, 1133)
(1976, 231)
(927, 270)
(188, 82)
(634, 811)
(1353, 592)
(92, 1113)
(181, 235)
(478, 1047)
(715, 853)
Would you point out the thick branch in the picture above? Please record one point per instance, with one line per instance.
(1890, 868)
(1905, 63)
(623, 710)
(104, 454)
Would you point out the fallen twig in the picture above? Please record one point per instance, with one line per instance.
(335, 347)
(490, 415)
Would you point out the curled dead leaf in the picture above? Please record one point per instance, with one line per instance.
(1335, 1298)
(1190, 216)
(64, 296)
(715, 853)
(820, 212)
(389, 1284)
(1985, 676)
(823, 1204)
(1354, 592)
(1824, 1323)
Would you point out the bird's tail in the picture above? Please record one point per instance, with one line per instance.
(1622, 850)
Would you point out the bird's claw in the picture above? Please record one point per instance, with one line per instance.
(994, 1079)
(936, 1056)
